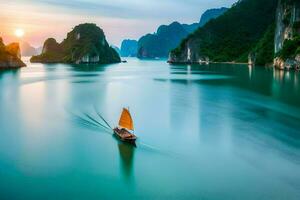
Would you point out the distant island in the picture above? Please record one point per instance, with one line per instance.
(10, 56)
(86, 43)
(166, 38)
(245, 33)
(158, 45)
(28, 50)
(129, 48)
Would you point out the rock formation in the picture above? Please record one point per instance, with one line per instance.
(10, 56)
(167, 37)
(160, 43)
(230, 37)
(251, 59)
(86, 43)
(129, 48)
(287, 35)
(52, 52)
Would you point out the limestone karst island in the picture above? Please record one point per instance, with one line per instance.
(10, 56)
(86, 43)
(150, 99)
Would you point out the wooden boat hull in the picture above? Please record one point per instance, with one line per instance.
(125, 135)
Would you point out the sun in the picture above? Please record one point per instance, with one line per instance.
(19, 32)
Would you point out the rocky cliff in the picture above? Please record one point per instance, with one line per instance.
(160, 43)
(86, 43)
(167, 37)
(129, 48)
(188, 54)
(230, 37)
(287, 34)
(52, 52)
(10, 56)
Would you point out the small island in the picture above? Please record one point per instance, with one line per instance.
(10, 56)
(86, 43)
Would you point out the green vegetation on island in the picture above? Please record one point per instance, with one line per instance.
(86, 43)
(211, 14)
(169, 36)
(290, 49)
(264, 49)
(287, 38)
(160, 43)
(264, 31)
(230, 37)
(291, 27)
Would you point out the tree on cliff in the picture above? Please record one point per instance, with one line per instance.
(233, 35)
(86, 43)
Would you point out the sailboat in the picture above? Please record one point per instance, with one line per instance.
(125, 126)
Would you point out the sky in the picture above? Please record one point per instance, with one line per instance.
(120, 19)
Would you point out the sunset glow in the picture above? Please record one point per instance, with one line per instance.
(119, 19)
(19, 32)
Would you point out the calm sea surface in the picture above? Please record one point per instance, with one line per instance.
(205, 132)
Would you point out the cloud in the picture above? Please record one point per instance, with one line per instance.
(147, 9)
(120, 19)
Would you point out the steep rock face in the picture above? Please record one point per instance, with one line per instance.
(251, 59)
(188, 55)
(10, 56)
(168, 37)
(297, 58)
(14, 49)
(160, 43)
(52, 52)
(51, 45)
(287, 35)
(288, 14)
(129, 48)
(231, 36)
(86, 43)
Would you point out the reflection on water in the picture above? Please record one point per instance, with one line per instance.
(197, 127)
(126, 152)
(282, 85)
(250, 67)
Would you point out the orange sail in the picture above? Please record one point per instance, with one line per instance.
(126, 120)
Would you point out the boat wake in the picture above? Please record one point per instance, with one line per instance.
(95, 121)
(89, 121)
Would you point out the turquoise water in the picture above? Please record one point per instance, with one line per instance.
(205, 132)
